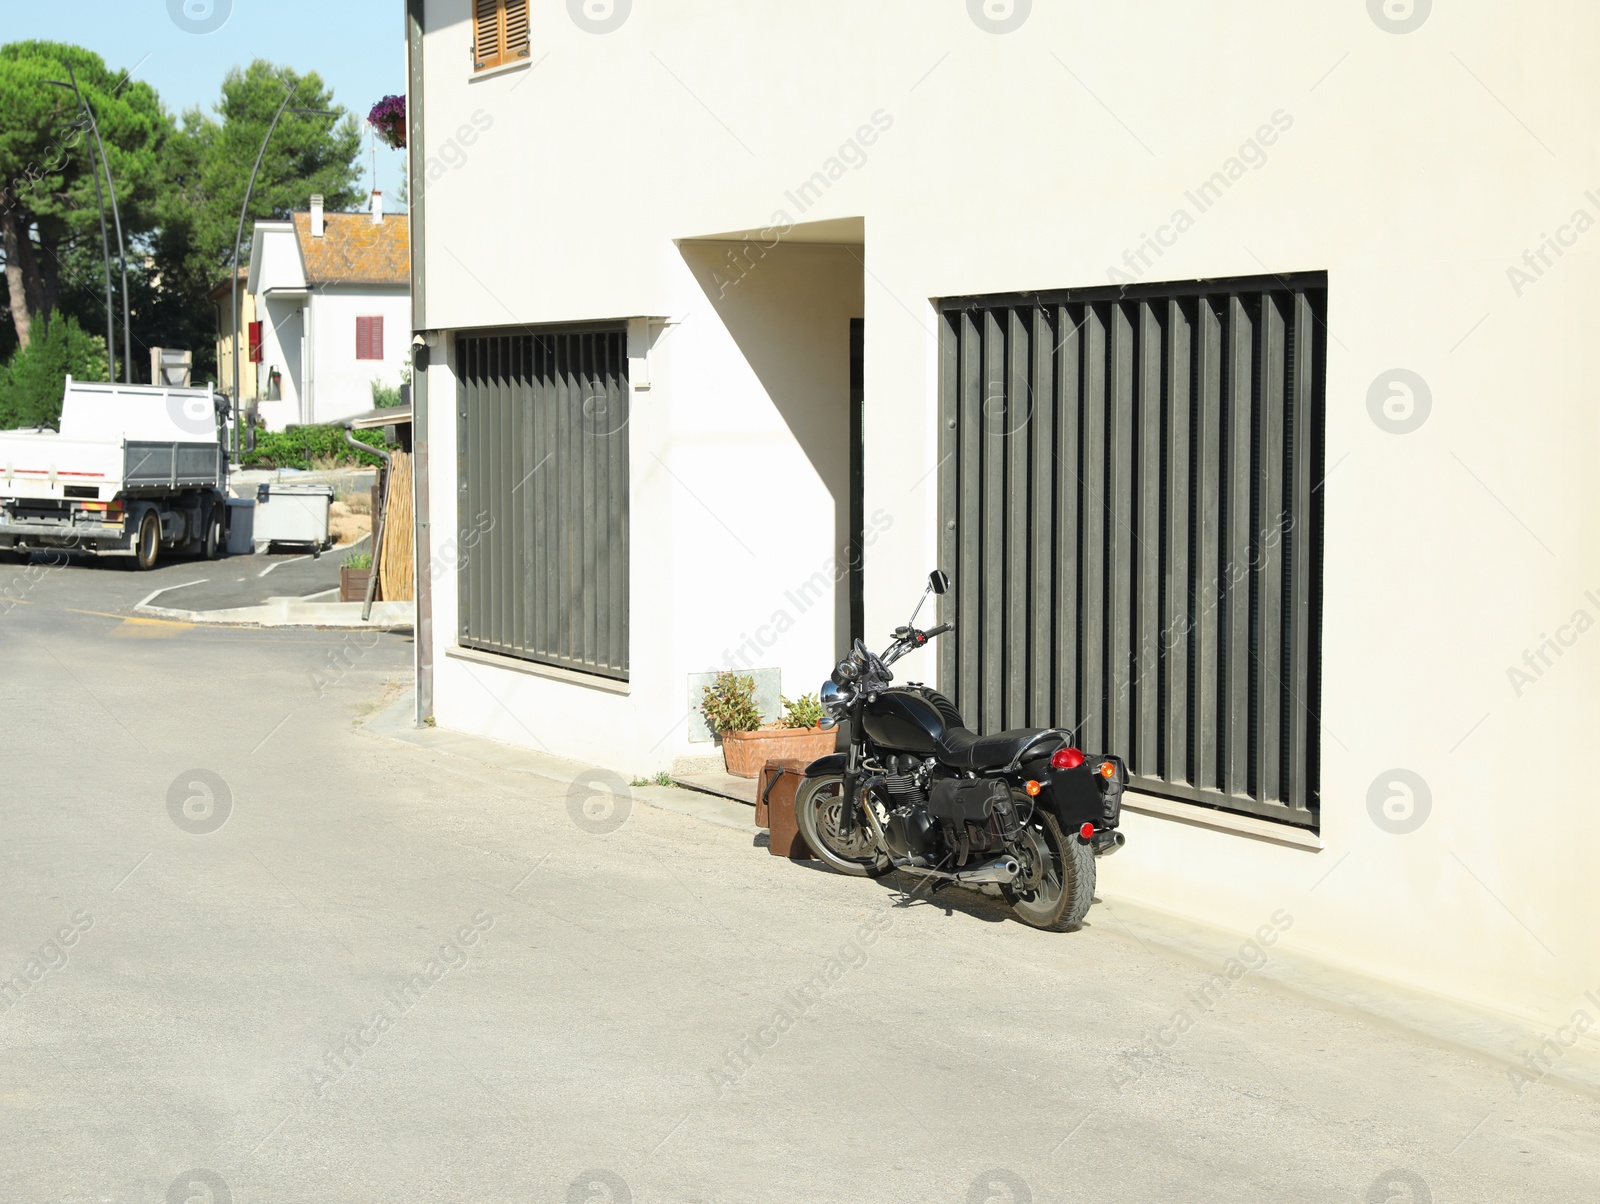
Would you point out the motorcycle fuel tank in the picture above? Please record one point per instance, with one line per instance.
(904, 720)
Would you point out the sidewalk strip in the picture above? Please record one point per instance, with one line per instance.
(148, 598)
(280, 563)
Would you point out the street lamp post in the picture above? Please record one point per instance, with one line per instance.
(238, 237)
(86, 122)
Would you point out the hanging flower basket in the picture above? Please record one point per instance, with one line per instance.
(388, 118)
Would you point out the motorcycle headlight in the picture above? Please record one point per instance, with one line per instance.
(829, 694)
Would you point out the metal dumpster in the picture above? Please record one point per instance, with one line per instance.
(241, 526)
(292, 514)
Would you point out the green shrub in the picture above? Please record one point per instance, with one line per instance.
(358, 560)
(300, 446)
(729, 704)
(805, 711)
(386, 397)
(32, 384)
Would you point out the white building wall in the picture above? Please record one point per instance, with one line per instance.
(1042, 159)
(282, 348)
(743, 474)
(341, 384)
(277, 281)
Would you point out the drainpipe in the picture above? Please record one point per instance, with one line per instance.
(308, 351)
(377, 519)
(421, 499)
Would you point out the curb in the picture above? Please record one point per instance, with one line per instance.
(296, 612)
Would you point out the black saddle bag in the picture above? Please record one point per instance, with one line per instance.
(966, 801)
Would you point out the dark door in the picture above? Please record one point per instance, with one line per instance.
(858, 625)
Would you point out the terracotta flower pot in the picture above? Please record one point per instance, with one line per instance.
(746, 752)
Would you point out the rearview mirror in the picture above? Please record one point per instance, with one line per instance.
(938, 581)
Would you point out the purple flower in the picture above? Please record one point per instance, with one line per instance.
(388, 118)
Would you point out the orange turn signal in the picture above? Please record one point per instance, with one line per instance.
(1033, 788)
(1108, 769)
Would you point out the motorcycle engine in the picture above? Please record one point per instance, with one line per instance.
(910, 831)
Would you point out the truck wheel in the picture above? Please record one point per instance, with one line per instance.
(147, 541)
(214, 544)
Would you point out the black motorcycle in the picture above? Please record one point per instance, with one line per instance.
(1023, 810)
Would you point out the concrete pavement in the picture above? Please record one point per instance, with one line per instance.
(255, 944)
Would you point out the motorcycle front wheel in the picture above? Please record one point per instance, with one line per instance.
(818, 812)
(1056, 884)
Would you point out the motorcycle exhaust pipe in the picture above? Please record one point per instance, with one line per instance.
(997, 872)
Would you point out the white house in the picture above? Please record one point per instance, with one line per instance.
(333, 312)
(1232, 359)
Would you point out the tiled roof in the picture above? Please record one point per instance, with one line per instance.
(224, 285)
(356, 250)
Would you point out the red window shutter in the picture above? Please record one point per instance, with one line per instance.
(369, 338)
(255, 342)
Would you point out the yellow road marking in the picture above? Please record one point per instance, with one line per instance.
(100, 614)
(132, 629)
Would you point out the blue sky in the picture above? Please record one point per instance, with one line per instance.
(357, 46)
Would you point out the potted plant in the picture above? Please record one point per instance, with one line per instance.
(354, 574)
(388, 121)
(731, 712)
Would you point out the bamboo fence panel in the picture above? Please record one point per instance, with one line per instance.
(397, 566)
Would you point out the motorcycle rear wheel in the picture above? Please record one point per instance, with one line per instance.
(818, 808)
(1056, 885)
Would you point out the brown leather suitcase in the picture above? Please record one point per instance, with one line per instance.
(775, 793)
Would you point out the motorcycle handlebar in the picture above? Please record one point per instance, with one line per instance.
(939, 630)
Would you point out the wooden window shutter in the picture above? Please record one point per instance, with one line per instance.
(255, 342)
(516, 30)
(487, 45)
(500, 32)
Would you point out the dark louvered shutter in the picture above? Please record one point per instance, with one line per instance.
(1130, 512)
(543, 509)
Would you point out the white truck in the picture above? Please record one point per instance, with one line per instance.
(133, 470)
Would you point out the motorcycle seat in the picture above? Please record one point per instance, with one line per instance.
(963, 749)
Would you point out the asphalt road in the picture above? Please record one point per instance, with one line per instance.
(177, 582)
(257, 952)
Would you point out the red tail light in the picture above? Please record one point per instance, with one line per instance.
(1087, 831)
(1066, 758)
